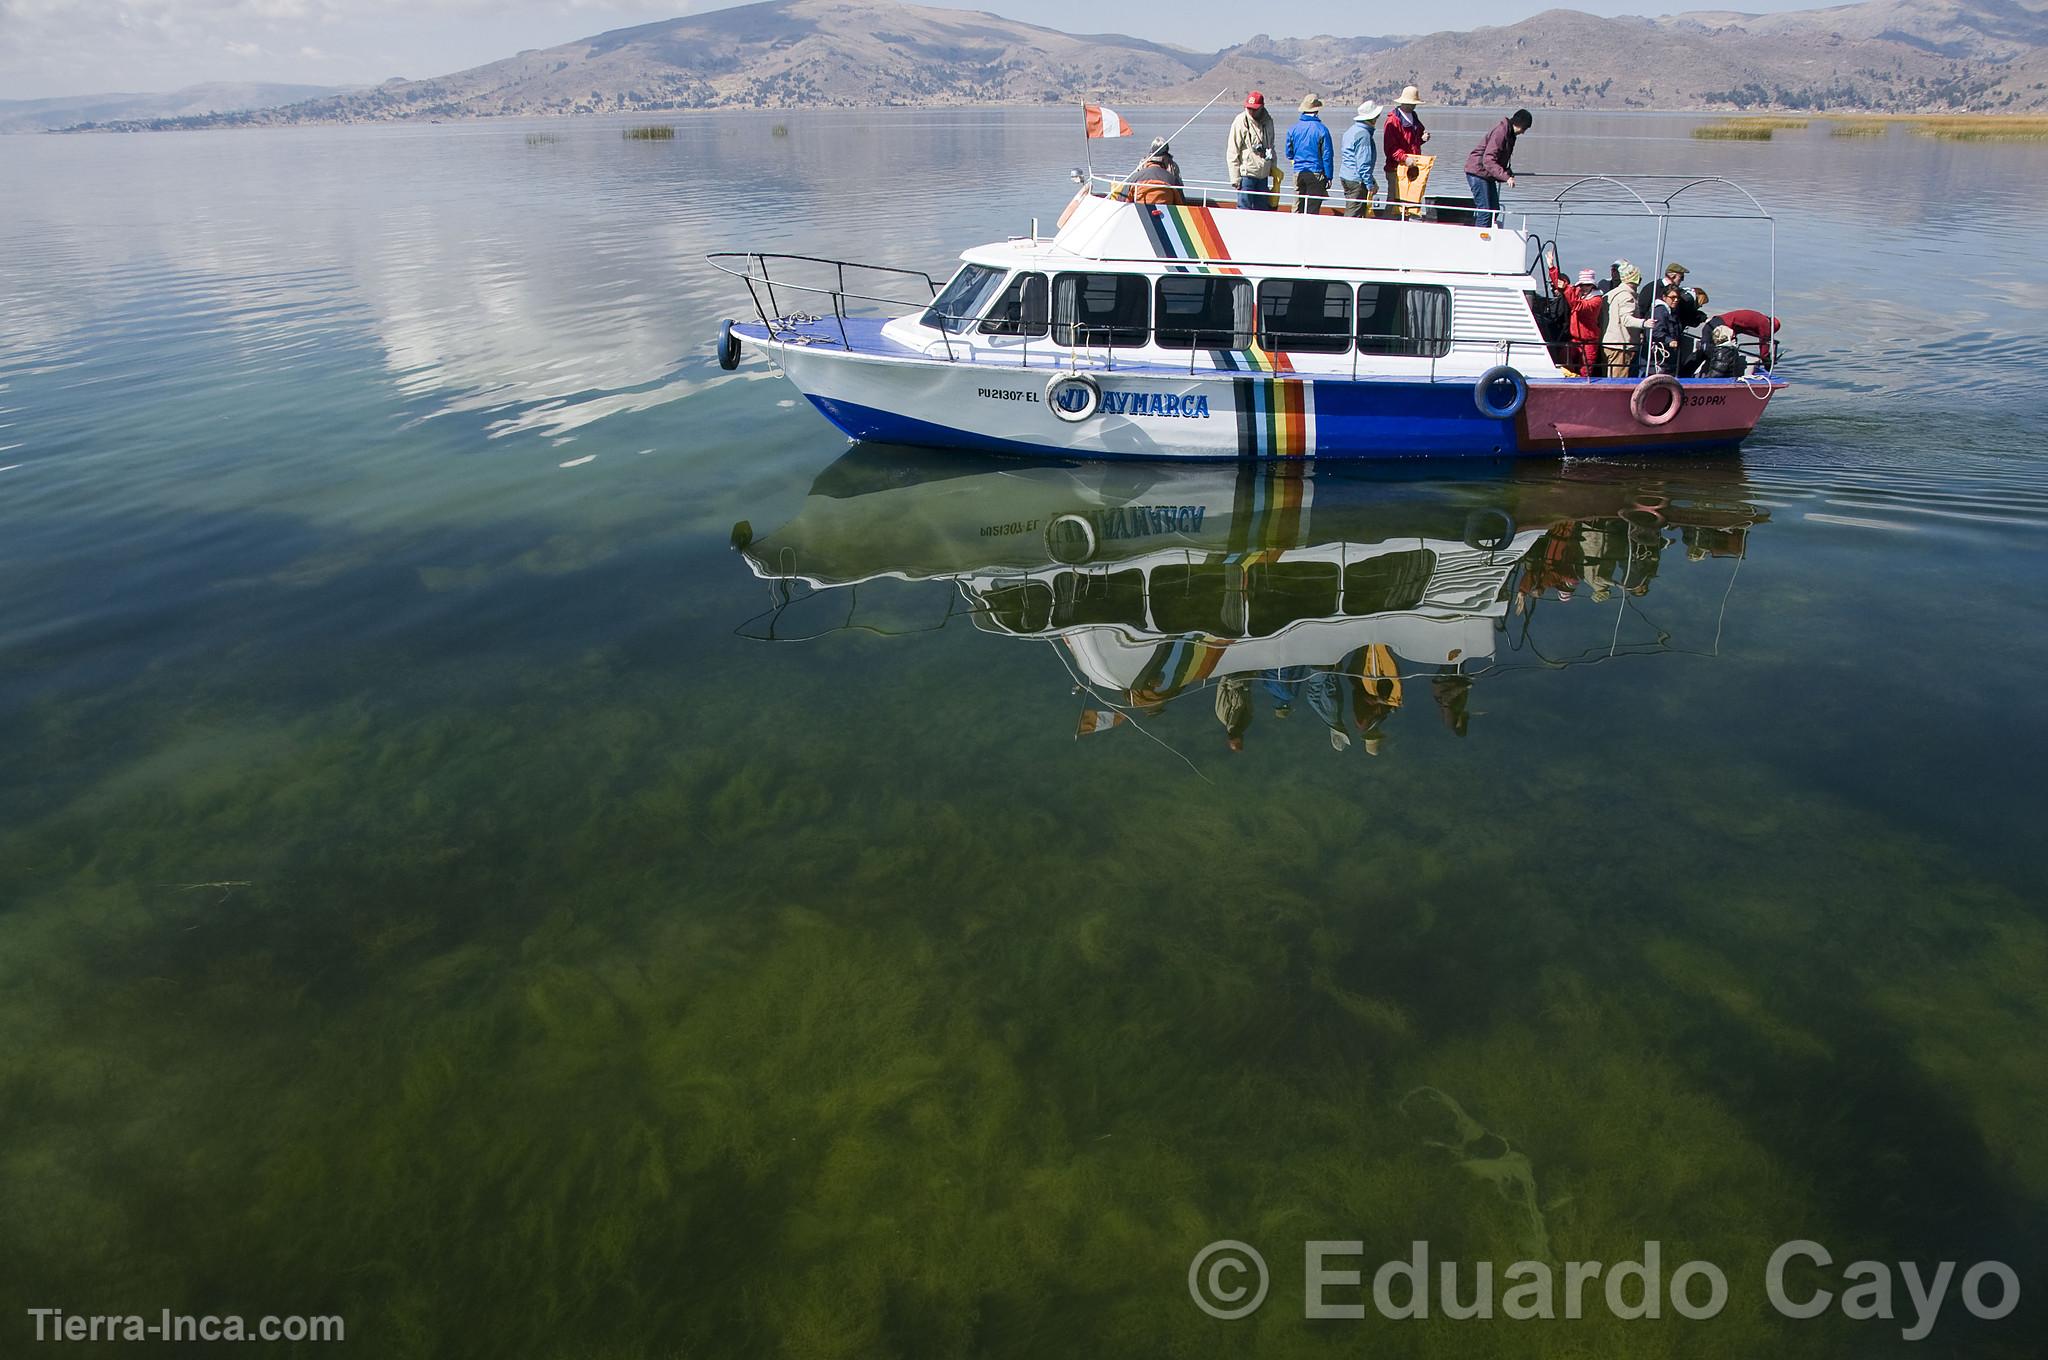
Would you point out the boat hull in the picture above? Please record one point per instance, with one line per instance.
(1154, 413)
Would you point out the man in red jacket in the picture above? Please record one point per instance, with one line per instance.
(1585, 304)
(1755, 325)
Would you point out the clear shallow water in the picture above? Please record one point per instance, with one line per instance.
(427, 899)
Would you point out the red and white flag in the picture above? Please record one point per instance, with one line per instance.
(1105, 122)
(1099, 720)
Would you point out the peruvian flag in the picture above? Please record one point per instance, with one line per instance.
(1098, 720)
(1105, 122)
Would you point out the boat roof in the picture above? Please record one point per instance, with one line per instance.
(1195, 238)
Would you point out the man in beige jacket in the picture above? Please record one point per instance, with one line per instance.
(1250, 153)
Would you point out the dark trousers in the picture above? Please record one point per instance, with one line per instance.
(1309, 189)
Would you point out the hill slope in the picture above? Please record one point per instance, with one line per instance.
(1879, 55)
(37, 115)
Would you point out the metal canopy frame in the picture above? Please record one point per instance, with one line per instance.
(1662, 206)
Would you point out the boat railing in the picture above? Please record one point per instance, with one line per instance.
(754, 268)
(1572, 194)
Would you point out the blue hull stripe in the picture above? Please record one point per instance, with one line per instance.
(1353, 420)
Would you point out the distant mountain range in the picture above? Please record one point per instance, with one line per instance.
(1895, 55)
(39, 115)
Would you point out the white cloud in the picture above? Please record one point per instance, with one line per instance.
(245, 50)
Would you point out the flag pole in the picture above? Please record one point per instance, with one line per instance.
(1198, 113)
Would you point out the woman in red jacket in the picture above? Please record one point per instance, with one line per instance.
(1587, 306)
(1401, 137)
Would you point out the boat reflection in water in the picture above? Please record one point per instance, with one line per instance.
(1334, 595)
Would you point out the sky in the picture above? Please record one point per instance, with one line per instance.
(65, 47)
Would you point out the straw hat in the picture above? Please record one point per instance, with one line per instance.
(1311, 104)
(1369, 111)
(1409, 96)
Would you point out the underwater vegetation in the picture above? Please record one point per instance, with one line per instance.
(550, 1026)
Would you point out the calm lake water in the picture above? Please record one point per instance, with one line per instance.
(443, 885)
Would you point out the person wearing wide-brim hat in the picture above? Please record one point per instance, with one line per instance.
(1311, 155)
(1354, 167)
(1401, 138)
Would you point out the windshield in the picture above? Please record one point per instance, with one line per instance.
(958, 308)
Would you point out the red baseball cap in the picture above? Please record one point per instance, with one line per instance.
(1255, 100)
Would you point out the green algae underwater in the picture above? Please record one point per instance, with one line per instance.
(628, 1014)
(424, 901)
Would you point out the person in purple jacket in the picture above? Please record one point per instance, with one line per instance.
(1491, 165)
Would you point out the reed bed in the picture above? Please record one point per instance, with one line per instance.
(1729, 132)
(1984, 127)
(1865, 127)
(541, 139)
(651, 132)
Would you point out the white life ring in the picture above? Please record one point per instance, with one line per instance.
(1639, 400)
(1073, 397)
(1070, 539)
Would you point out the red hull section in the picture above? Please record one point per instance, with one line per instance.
(1594, 413)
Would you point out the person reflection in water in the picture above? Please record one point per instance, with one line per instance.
(1234, 709)
(1280, 683)
(1325, 691)
(1375, 692)
(1452, 690)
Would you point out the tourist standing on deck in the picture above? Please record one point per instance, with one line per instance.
(1354, 170)
(1310, 153)
(1619, 344)
(1665, 331)
(1491, 165)
(1402, 137)
(1585, 303)
(1250, 153)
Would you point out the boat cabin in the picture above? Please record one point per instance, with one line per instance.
(1194, 288)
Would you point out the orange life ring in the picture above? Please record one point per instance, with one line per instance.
(1639, 400)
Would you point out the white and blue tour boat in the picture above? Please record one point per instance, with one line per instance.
(1206, 331)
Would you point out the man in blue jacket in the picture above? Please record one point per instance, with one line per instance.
(1309, 149)
(1354, 171)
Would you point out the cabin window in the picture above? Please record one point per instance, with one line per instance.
(1085, 598)
(959, 306)
(1199, 597)
(1101, 309)
(1199, 311)
(1388, 582)
(1019, 607)
(1023, 309)
(1404, 318)
(1313, 315)
(1283, 593)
